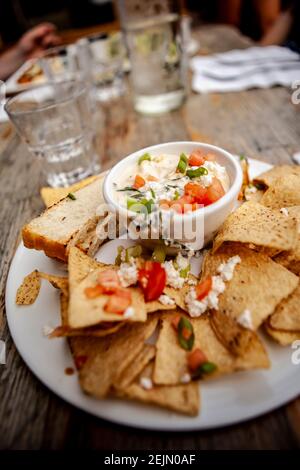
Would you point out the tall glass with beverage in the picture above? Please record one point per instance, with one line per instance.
(153, 36)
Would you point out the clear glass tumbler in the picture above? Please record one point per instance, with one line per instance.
(61, 63)
(56, 123)
(102, 56)
(154, 40)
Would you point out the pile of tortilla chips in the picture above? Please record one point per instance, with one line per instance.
(140, 358)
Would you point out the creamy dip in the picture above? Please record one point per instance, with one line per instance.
(167, 178)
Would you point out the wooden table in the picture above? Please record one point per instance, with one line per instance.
(261, 124)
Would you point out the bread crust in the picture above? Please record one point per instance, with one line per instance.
(52, 248)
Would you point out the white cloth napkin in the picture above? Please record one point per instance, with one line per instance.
(256, 67)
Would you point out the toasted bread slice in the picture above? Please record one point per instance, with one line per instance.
(69, 222)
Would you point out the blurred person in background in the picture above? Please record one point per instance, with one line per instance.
(286, 30)
(254, 17)
(32, 44)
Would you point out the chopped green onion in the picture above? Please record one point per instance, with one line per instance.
(206, 368)
(71, 196)
(118, 259)
(201, 171)
(128, 188)
(159, 254)
(134, 252)
(185, 272)
(145, 157)
(153, 193)
(182, 164)
(183, 327)
(140, 206)
(177, 195)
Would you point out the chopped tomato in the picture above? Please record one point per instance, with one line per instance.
(197, 191)
(152, 279)
(183, 204)
(139, 182)
(175, 322)
(93, 292)
(164, 204)
(118, 302)
(203, 289)
(210, 157)
(186, 333)
(109, 279)
(196, 158)
(215, 191)
(195, 359)
(152, 178)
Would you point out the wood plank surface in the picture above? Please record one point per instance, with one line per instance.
(261, 124)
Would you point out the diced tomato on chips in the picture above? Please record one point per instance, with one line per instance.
(119, 301)
(93, 292)
(203, 288)
(195, 359)
(152, 279)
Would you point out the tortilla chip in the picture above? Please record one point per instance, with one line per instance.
(284, 338)
(29, 289)
(287, 315)
(258, 284)
(171, 359)
(58, 282)
(134, 369)
(107, 358)
(254, 196)
(257, 225)
(234, 337)
(284, 192)
(291, 259)
(269, 177)
(182, 398)
(85, 312)
(51, 196)
(178, 295)
(156, 306)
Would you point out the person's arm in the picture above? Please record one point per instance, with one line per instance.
(230, 11)
(31, 44)
(280, 30)
(268, 11)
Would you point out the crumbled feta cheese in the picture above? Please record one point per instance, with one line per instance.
(245, 320)
(173, 276)
(182, 261)
(185, 379)
(128, 274)
(47, 330)
(284, 211)
(192, 282)
(146, 383)
(129, 312)
(166, 300)
(196, 308)
(226, 270)
(206, 180)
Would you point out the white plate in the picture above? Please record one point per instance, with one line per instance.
(12, 85)
(224, 401)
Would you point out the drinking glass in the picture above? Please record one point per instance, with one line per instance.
(56, 123)
(153, 35)
(61, 63)
(102, 56)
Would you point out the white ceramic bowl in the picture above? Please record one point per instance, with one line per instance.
(211, 216)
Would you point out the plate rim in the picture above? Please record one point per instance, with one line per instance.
(174, 426)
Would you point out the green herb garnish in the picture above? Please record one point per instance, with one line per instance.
(118, 259)
(159, 254)
(206, 368)
(133, 252)
(129, 188)
(176, 195)
(141, 206)
(145, 157)
(201, 171)
(185, 272)
(186, 336)
(182, 164)
(71, 196)
(153, 193)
